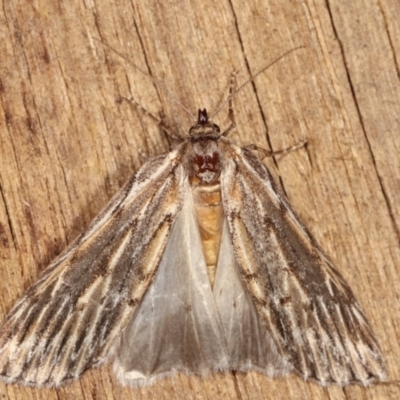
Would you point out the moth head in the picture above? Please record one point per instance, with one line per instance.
(204, 128)
(205, 156)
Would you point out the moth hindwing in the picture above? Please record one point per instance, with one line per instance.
(196, 265)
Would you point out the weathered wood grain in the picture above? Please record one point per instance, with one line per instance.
(68, 142)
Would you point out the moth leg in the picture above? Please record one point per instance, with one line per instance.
(231, 114)
(268, 153)
(171, 135)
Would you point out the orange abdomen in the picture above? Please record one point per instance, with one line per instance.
(209, 215)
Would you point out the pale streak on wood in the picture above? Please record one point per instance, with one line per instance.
(66, 145)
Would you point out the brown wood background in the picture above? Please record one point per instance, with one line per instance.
(67, 143)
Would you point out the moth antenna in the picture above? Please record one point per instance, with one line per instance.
(148, 76)
(251, 79)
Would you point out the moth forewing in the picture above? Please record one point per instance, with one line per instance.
(54, 333)
(290, 277)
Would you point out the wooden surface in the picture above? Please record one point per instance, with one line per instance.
(67, 142)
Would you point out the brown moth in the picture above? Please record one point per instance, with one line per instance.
(198, 264)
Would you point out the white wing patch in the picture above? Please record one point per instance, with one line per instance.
(184, 325)
(249, 345)
(176, 327)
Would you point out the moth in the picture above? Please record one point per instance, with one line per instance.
(198, 264)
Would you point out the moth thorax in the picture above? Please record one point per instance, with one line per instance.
(206, 160)
(209, 215)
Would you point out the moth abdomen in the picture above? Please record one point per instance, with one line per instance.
(210, 218)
